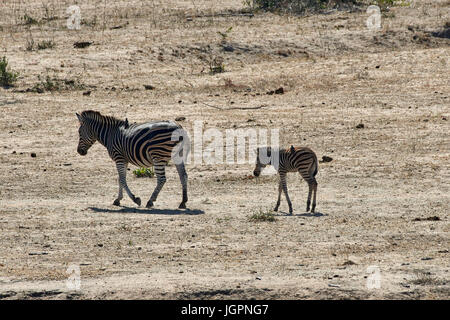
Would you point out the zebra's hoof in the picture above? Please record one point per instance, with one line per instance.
(137, 200)
(275, 209)
(291, 211)
(149, 204)
(182, 206)
(116, 202)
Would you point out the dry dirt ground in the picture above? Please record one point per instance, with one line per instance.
(383, 201)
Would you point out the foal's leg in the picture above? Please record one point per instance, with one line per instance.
(314, 196)
(160, 171)
(284, 185)
(184, 179)
(308, 202)
(122, 170)
(280, 189)
(312, 186)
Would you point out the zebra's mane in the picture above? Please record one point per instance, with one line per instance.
(98, 117)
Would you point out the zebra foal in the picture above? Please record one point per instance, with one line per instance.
(303, 160)
(143, 145)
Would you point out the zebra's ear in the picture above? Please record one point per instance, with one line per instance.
(126, 123)
(292, 148)
(79, 118)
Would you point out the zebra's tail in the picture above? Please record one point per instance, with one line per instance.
(314, 165)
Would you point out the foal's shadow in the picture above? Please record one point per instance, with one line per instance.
(306, 214)
(124, 209)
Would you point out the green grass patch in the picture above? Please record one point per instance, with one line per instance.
(144, 172)
(7, 76)
(262, 215)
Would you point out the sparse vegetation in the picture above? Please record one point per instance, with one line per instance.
(215, 63)
(423, 278)
(298, 6)
(262, 215)
(305, 6)
(225, 34)
(144, 172)
(7, 77)
(56, 84)
(46, 44)
(28, 20)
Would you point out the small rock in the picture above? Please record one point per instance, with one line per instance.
(348, 263)
(82, 44)
(33, 155)
(228, 48)
(284, 53)
(180, 118)
(148, 87)
(87, 93)
(327, 159)
(37, 253)
(279, 90)
(360, 126)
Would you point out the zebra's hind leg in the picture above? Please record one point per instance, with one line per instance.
(122, 170)
(308, 202)
(183, 178)
(314, 195)
(160, 171)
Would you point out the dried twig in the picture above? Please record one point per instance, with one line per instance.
(235, 108)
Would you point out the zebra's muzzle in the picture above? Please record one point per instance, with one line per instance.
(82, 152)
(256, 173)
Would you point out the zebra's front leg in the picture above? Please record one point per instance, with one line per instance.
(161, 180)
(280, 189)
(120, 196)
(284, 185)
(122, 170)
(183, 178)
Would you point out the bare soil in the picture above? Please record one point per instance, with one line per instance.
(378, 198)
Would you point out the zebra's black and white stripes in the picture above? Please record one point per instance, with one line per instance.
(303, 160)
(143, 145)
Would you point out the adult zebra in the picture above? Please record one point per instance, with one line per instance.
(146, 144)
(303, 160)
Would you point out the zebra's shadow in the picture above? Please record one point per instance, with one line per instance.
(124, 209)
(306, 214)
